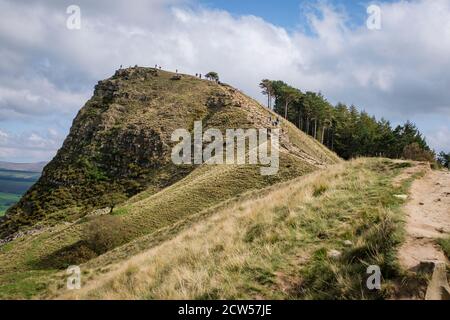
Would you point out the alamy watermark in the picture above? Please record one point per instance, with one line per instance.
(208, 148)
(74, 278)
(374, 280)
(73, 22)
(374, 20)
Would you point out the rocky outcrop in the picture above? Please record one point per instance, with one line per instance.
(115, 145)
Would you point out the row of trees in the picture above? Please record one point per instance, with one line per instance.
(344, 129)
(213, 76)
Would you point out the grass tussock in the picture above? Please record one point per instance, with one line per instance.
(319, 188)
(276, 246)
(445, 245)
(105, 233)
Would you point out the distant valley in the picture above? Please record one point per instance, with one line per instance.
(15, 180)
(27, 167)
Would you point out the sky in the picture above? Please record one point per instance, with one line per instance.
(48, 71)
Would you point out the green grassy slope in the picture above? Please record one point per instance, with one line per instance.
(273, 244)
(170, 197)
(205, 188)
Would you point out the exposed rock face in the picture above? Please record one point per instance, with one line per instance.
(119, 143)
(115, 146)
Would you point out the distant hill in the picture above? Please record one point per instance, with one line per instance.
(30, 167)
(13, 184)
(17, 182)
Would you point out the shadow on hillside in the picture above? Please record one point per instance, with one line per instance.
(74, 254)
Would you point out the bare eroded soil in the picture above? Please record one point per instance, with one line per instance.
(428, 218)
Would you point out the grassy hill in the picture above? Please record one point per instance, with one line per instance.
(119, 147)
(119, 144)
(270, 244)
(264, 243)
(200, 232)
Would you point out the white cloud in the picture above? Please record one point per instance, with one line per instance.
(3, 136)
(400, 71)
(38, 97)
(29, 146)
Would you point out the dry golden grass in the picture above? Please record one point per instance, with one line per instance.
(191, 192)
(268, 247)
(196, 260)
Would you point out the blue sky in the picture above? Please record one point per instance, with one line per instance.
(48, 72)
(289, 14)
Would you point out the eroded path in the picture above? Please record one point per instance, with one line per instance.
(428, 218)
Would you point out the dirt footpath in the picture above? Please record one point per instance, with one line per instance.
(428, 218)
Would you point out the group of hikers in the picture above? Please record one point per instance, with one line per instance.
(197, 75)
(275, 122)
(156, 67)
